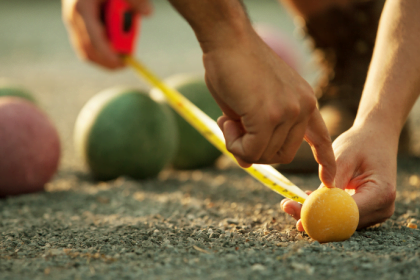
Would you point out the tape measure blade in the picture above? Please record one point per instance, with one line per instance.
(266, 174)
(277, 182)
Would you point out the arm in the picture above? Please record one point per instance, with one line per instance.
(393, 83)
(279, 103)
(268, 108)
(366, 154)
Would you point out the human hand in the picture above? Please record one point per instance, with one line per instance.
(87, 32)
(268, 107)
(366, 166)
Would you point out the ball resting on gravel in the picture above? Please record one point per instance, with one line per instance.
(330, 215)
(194, 151)
(122, 131)
(29, 147)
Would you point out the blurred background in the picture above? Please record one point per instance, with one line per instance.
(35, 52)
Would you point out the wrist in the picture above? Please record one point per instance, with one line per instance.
(218, 24)
(381, 111)
(380, 127)
(225, 33)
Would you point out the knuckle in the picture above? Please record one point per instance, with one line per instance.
(247, 156)
(389, 197)
(251, 158)
(388, 203)
(311, 103)
(267, 159)
(389, 212)
(308, 97)
(307, 89)
(285, 158)
(231, 149)
(294, 110)
(275, 116)
(278, 114)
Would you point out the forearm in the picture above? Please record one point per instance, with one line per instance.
(216, 23)
(393, 82)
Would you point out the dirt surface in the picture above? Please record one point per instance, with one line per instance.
(215, 223)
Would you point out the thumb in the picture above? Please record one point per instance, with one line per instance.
(318, 137)
(143, 7)
(344, 172)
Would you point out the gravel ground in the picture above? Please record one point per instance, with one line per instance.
(212, 224)
(215, 223)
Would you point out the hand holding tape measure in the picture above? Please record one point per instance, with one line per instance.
(122, 27)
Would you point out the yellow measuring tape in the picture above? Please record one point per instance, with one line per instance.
(266, 174)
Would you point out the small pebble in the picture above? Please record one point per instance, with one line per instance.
(258, 267)
(411, 225)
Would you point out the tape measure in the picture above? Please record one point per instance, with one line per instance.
(117, 14)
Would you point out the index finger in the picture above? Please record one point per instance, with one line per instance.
(318, 137)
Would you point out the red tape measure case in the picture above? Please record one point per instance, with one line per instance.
(121, 23)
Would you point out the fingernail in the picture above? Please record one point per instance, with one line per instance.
(283, 202)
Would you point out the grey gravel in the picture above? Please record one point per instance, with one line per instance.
(215, 223)
(176, 226)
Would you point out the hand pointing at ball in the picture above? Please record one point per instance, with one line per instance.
(366, 166)
(366, 155)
